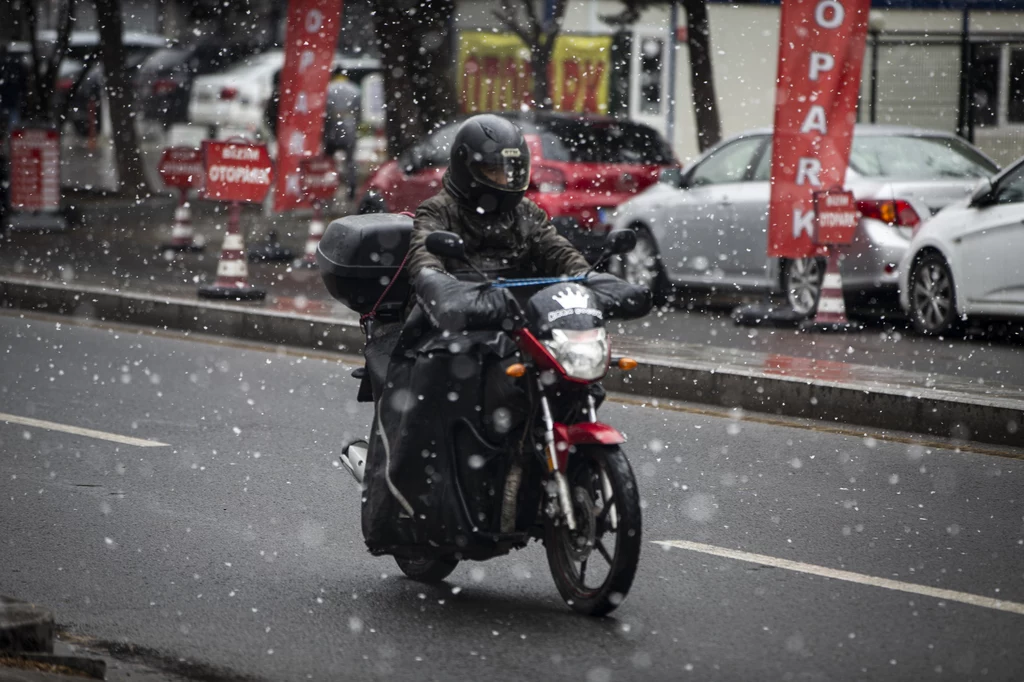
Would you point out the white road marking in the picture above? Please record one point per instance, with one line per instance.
(859, 578)
(89, 433)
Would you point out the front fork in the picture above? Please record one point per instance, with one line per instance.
(564, 498)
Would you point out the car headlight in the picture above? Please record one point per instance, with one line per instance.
(582, 354)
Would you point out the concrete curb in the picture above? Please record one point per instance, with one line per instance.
(945, 414)
(25, 627)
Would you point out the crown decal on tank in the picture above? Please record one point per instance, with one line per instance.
(572, 297)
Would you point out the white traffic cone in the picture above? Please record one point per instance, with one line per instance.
(182, 234)
(831, 311)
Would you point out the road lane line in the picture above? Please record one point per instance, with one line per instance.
(78, 431)
(836, 574)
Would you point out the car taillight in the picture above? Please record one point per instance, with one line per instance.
(164, 86)
(547, 180)
(65, 83)
(896, 212)
(228, 93)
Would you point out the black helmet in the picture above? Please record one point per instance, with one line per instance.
(490, 165)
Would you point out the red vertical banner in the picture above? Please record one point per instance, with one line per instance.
(310, 40)
(821, 52)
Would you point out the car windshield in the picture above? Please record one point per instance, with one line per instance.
(604, 142)
(917, 157)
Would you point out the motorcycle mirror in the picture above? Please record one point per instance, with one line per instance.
(620, 241)
(446, 245)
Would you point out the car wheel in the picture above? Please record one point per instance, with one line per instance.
(372, 203)
(643, 266)
(801, 282)
(932, 296)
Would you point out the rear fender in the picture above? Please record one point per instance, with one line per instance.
(586, 433)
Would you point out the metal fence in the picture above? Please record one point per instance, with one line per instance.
(972, 85)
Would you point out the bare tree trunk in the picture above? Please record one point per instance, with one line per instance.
(539, 35)
(130, 173)
(705, 104)
(417, 60)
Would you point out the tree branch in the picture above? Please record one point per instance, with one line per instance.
(514, 26)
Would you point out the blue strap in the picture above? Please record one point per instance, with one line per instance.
(535, 282)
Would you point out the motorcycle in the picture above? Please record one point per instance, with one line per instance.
(540, 466)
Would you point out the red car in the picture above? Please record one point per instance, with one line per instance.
(583, 167)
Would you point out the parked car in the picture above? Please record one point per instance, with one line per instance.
(968, 260)
(85, 109)
(583, 167)
(164, 80)
(707, 227)
(237, 97)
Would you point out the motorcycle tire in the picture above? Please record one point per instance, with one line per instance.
(426, 570)
(571, 553)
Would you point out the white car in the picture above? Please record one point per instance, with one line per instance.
(968, 260)
(707, 227)
(237, 97)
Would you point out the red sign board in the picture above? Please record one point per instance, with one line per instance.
(821, 50)
(319, 178)
(837, 217)
(236, 171)
(35, 169)
(181, 167)
(311, 35)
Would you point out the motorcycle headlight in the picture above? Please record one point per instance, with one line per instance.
(582, 354)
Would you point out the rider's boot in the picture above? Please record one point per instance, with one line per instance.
(353, 456)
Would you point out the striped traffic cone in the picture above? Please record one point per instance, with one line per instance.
(831, 312)
(182, 234)
(316, 231)
(232, 271)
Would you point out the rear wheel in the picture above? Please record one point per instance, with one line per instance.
(594, 565)
(801, 282)
(932, 296)
(427, 570)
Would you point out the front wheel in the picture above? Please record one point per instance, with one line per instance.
(642, 266)
(427, 570)
(932, 296)
(594, 565)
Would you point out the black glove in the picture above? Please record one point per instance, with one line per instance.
(619, 299)
(463, 306)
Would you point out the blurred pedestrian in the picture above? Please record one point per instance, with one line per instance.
(341, 124)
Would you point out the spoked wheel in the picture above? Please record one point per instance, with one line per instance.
(932, 296)
(801, 282)
(593, 566)
(427, 570)
(643, 266)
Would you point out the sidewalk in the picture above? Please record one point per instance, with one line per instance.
(112, 268)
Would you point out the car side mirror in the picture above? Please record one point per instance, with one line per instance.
(447, 245)
(620, 241)
(983, 194)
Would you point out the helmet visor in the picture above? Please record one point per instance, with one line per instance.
(508, 173)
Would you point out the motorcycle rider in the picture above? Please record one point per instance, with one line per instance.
(483, 202)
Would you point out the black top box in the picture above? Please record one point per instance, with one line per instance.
(359, 255)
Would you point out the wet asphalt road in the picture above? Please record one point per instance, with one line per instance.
(237, 547)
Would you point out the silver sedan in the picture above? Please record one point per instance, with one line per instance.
(706, 227)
